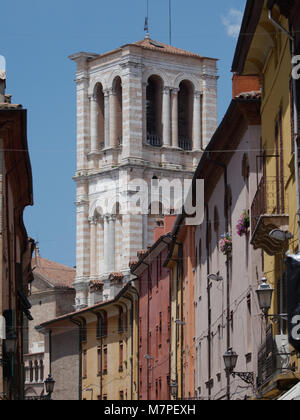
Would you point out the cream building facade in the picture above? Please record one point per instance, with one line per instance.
(145, 111)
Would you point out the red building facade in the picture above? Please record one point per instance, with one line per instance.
(154, 318)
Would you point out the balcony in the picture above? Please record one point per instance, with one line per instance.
(274, 369)
(185, 144)
(154, 140)
(269, 211)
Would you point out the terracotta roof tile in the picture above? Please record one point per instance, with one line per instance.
(150, 44)
(58, 275)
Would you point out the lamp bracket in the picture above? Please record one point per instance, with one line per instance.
(247, 377)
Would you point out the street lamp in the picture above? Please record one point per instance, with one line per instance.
(264, 295)
(230, 361)
(215, 277)
(174, 389)
(281, 235)
(49, 386)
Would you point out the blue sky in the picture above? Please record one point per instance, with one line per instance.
(36, 38)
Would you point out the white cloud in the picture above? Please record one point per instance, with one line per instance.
(232, 22)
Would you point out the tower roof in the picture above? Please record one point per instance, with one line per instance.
(150, 44)
(145, 44)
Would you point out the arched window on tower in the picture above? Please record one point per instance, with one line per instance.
(99, 96)
(185, 115)
(154, 111)
(117, 87)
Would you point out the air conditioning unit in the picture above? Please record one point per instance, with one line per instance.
(282, 352)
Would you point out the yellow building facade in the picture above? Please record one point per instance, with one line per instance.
(110, 352)
(267, 53)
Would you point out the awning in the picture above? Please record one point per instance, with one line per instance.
(292, 394)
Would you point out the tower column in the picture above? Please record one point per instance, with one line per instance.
(106, 119)
(111, 243)
(144, 99)
(197, 121)
(175, 117)
(112, 118)
(105, 243)
(166, 117)
(93, 246)
(94, 123)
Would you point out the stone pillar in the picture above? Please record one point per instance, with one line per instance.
(166, 117)
(112, 118)
(197, 121)
(175, 118)
(144, 115)
(106, 119)
(111, 243)
(105, 243)
(94, 123)
(93, 246)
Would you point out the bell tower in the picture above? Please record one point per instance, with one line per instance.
(145, 111)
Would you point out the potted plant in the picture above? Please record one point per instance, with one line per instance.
(225, 244)
(243, 224)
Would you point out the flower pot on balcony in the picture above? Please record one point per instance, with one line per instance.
(225, 244)
(243, 224)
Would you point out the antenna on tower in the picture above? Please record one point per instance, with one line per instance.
(170, 21)
(146, 27)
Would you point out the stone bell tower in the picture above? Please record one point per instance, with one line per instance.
(144, 111)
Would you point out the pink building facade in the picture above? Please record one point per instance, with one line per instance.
(226, 309)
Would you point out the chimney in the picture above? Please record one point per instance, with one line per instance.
(243, 84)
(2, 79)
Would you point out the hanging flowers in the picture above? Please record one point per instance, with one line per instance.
(243, 224)
(225, 244)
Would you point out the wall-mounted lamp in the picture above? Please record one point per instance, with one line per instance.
(215, 277)
(281, 235)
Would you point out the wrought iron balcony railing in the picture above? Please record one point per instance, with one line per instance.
(270, 199)
(185, 144)
(273, 358)
(154, 140)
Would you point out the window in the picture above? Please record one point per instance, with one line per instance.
(160, 329)
(121, 356)
(84, 364)
(185, 115)
(41, 371)
(99, 361)
(99, 332)
(36, 371)
(105, 360)
(31, 371)
(154, 111)
(83, 331)
(121, 320)
(105, 324)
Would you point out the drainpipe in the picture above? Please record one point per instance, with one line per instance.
(79, 325)
(296, 126)
(208, 304)
(130, 299)
(99, 317)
